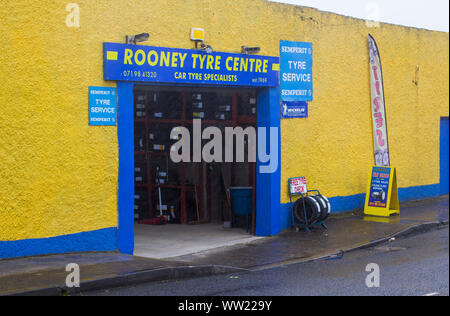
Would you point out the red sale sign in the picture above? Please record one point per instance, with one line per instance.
(298, 185)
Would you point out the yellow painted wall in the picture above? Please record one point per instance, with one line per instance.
(59, 176)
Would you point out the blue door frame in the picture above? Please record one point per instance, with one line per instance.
(268, 184)
(444, 159)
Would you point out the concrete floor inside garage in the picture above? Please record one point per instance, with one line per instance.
(168, 241)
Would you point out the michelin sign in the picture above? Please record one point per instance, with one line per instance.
(294, 109)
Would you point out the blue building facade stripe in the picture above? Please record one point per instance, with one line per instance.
(419, 192)
(126, 167)
(444, 156)
(98, 240)
(268, 184)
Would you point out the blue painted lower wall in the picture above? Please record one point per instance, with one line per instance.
(98, 240)
(353, 202)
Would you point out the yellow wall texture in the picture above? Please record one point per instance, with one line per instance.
(59, 176)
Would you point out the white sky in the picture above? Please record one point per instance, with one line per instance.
(427, 14)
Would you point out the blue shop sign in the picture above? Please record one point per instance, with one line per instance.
(296, 71)
(102, 106)
(294, 109)
(379, 188)
(169, 65)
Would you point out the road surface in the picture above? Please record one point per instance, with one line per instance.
(418, 266)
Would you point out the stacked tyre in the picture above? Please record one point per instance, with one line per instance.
(317, 207)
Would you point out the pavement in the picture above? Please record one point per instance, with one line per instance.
(169, 241)
(346, 232)
(414, 266)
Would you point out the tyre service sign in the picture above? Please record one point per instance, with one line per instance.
(379, 187)
(296, 78)
(382, 192)
(169, 65)
(102, 106)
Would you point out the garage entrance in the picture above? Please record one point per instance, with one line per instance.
(186, 207)
(153, 98)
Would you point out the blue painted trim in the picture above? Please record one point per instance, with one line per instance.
(268, 192)
(418, 193)
(268, 184)
(348, 203)
(444, 156)
(98, 240)
(126, 167)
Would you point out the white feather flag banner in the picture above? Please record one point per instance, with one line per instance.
(380, 134)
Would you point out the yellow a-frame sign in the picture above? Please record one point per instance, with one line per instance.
(382, 192)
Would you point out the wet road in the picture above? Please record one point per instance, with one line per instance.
(417, 266)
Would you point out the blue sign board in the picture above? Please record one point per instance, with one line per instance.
(294, 109)
(379, 188)
(169, 65)
(102, 106)
(296, 71)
